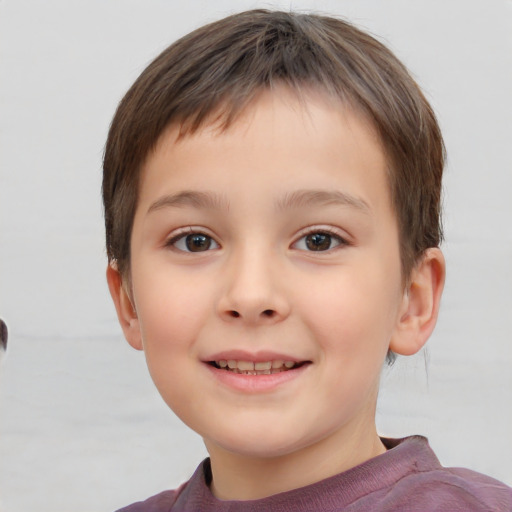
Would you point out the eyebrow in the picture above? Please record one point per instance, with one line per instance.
(302, 198)
(206, 200)
(297, 199)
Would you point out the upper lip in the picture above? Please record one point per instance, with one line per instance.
(256, 357)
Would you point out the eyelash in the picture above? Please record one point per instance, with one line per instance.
(333, 235)
(183, 234)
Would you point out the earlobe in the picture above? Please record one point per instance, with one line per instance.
(420, 306)
(126, 312)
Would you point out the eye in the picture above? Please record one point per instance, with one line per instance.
(319, 241)
(193, 242)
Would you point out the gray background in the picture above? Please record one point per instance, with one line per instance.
(81, 427)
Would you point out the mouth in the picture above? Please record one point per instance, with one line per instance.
(256, 368)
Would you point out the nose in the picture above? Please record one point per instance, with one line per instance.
(255, 290)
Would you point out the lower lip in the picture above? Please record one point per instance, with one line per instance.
(255, 383)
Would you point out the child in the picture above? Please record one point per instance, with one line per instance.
(272, 200)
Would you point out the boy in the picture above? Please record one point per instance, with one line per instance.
(272, 201)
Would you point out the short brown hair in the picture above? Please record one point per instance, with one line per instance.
(219, 68)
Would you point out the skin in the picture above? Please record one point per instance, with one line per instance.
(259, 191)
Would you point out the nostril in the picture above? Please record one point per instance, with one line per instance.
(269, 313)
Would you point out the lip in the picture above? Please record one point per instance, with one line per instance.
(256, 357)
(255, 384)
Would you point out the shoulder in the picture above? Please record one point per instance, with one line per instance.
(455, 489)
(161, 502)
(428, 484)
(472, 489)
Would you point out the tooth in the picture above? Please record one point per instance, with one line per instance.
(263, 366)
(251, 368)
(245, 365)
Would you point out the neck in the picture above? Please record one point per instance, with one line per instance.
(245, 477)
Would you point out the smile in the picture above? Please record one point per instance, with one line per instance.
(252, 368)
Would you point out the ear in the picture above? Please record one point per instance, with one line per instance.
(420, 304)
(125, 310)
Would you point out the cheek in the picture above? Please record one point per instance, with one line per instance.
(171, 311)
(171, 314)
(354, 312)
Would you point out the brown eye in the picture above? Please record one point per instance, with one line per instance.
(198, 243)
(194, 242)
(318, 241)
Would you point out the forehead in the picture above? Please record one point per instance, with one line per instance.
(289, 135)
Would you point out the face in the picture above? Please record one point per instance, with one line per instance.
(265, 276)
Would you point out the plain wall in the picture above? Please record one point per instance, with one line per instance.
(81, 426)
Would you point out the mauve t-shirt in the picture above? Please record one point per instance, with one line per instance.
(408, 477)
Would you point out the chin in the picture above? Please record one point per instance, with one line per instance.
(257, 450)
(258, 443)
